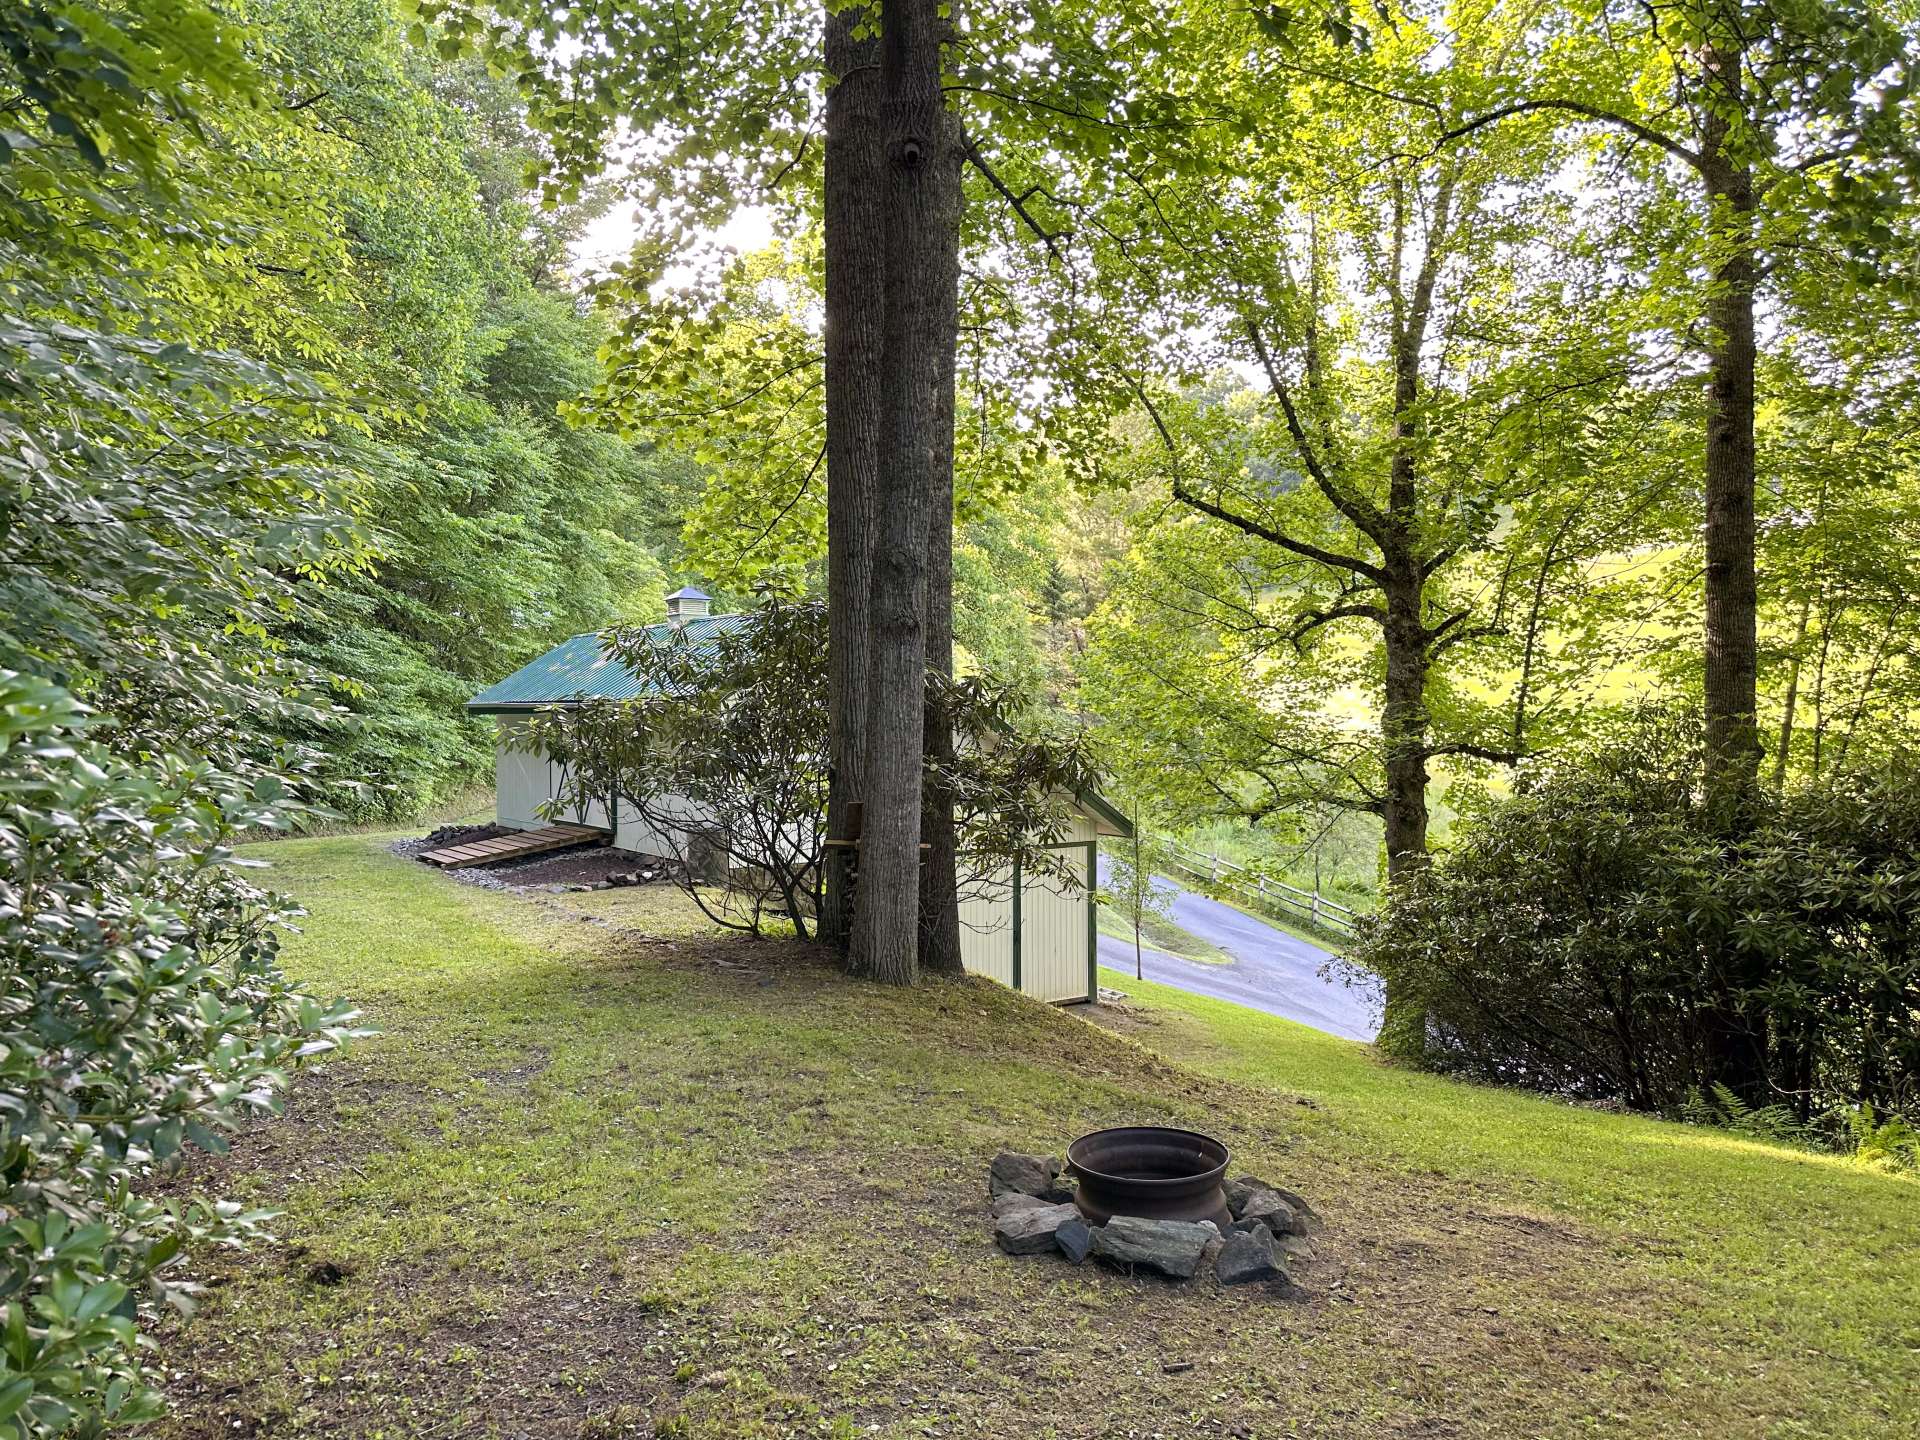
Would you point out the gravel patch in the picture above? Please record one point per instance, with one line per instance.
(589, 867)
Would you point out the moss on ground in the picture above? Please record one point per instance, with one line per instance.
(589, 1184)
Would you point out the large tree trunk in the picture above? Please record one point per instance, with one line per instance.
(1403, 809)
(1732, 596)
(939, 880)
(1737, 1037)
(1403, 716)
(922, 201)
(855, 226)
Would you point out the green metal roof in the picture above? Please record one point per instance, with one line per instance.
(581, 669)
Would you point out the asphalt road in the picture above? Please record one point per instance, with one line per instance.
(1271, 970)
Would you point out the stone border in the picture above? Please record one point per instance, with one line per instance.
(1034, 1214)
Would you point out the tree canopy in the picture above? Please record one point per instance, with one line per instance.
(1341, 425)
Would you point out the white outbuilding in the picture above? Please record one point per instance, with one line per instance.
(1035, 931)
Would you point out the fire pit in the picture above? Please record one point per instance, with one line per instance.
(1151, 1171)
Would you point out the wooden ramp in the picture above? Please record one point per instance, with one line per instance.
(516, 846)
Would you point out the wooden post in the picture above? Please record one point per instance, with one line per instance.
(1016, 922)
(1093, 922)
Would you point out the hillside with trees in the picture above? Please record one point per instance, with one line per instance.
(1458, 458)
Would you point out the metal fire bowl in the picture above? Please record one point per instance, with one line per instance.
(1150, 1171)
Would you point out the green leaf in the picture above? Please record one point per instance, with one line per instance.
(13, 1395)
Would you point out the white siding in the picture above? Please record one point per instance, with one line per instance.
(1081, 829)
(524, 782)
(1054, 917)
(986, 928)
(1053, 932)
(641, 838)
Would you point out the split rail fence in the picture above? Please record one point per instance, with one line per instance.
(1258, 892)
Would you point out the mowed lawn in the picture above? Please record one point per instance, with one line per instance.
(593, 1181)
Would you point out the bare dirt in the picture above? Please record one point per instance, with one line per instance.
(587, 865)
(590, 866)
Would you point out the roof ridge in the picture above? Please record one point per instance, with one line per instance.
(668, 620)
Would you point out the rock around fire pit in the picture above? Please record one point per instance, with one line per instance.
(1151, 1199)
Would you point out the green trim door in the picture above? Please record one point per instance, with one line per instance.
(1045, 914)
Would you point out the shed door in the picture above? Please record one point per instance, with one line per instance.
(1034, 932)
(1056, 930)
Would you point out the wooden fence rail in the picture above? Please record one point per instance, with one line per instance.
(1258, 891)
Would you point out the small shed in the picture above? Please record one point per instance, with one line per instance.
(1035, 932)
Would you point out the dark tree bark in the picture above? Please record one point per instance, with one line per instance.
(1403, 806)
(1407, 639)
(1738, 1032)
(922, 195)
(939, 883)
(1732, 595)
(855, 228)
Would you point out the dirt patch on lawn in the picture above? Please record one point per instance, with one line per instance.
(586, 865)
(855, 1288)
(593, 866)
(879, 1304)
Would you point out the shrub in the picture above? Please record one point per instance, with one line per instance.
(142, 1011)
(1595, 936)
(1725, 1110)
(1883, 1142)
(722, 756)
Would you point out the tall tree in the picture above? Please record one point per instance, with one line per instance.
(940, 872)
(854, 233)
(923, 156)
(1784, 120)
(736, 126)
(1412, 321)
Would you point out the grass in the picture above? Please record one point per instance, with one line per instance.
(1157, 932)
(591, 1183)
(660, 911)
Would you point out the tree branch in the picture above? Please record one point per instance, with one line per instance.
(1313, 620)
(1461, 637)
(799, 154)
(1249, 526)
(1581, 109)
(1245, 524)
(1476, 752)
(1018, 202)
(1006, 97)
(1367, 519)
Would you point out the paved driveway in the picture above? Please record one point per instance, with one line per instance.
(1271, 970)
